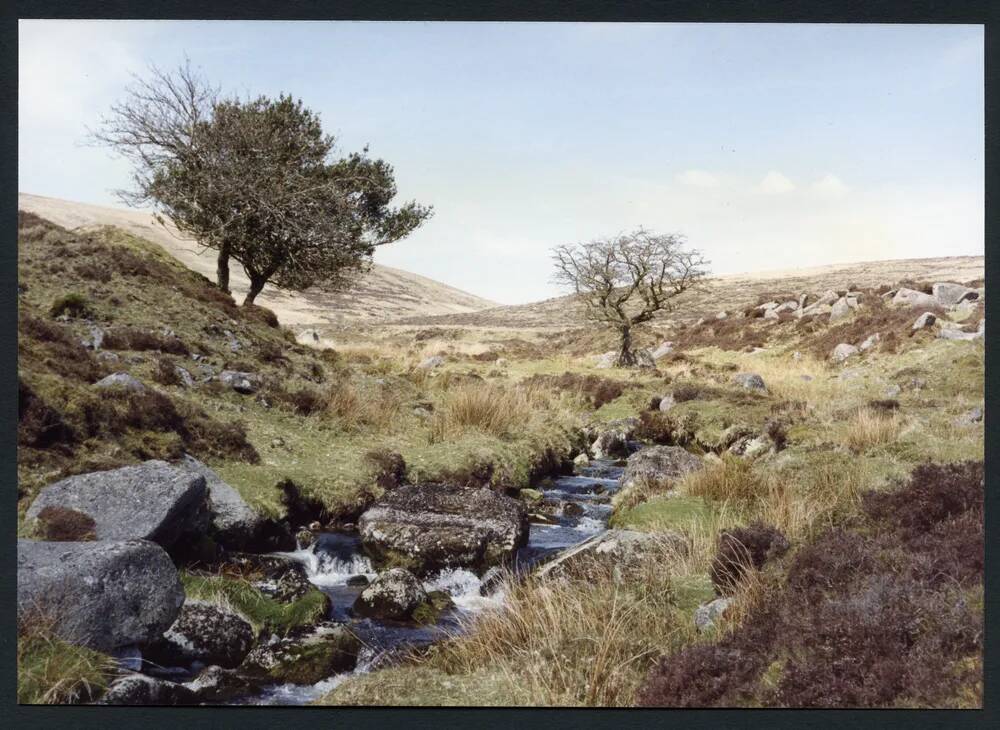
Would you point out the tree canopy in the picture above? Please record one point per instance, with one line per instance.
(257, 180)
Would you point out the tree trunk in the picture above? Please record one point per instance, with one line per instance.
(256, 285)
(626, 357)
(222, 270)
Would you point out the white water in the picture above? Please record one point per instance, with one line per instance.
(325, 570)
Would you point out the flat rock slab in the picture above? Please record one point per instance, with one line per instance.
(104, 595)
(151, 501)
(426, 527)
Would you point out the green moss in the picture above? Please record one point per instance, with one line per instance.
(691, 591)
(262, 611)
(664, 512)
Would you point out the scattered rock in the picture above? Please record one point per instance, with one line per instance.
(427, 527)
(706, 615)
(306, 658)
(121, 380)
(660, 464)
(843, 351)
(151, 501)
(394, 594)
(216, 684)
(914, 298)
(949, 294)
(667, 402)
(973, 416)
(749, 381)
(840, 310)
(431, 363)
(104, 595)
(870, 342)
(242, 382)
(893, 391)
(927, 319)
(94, 339)
(140, 689)
(204, 633)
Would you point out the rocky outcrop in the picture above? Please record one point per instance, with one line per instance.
(232, 522)
(304, 659)
(140, 689)
(204, 633)
(426, 527)
(151, 501)
(104, 595)
(394, 594)
(660, 464)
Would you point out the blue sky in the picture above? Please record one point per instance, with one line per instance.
(768, 146)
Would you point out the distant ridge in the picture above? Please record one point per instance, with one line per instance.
(384, 293)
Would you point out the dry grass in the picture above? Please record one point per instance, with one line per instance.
(733, 479)
(354, 409)
(493, 409)
(562, 642)
(51, 671)
(870, 428)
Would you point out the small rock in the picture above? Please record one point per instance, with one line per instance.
(394, 595)
(644, 359)
(893, 391)
(706, 615)
(121, 380)
(572, 509)
(607, 360)
(530, 496)
(358, 581)
(187, 380)
(870, 342)
(749, 381)
(241, 382)
(140, 689)
(661, 464)
(431, 363)
(581, 460)
(667, 402)
(927, 319)
(663, 349)
(205, 633)
(973, 416)
(306, 658)
(843, 351)
(216, 685)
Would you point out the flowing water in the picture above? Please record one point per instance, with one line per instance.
(336, 557)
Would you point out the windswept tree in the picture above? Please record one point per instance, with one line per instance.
(257, 180)
(624, 281)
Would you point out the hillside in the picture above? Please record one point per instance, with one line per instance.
(731, 291)
(385, 293)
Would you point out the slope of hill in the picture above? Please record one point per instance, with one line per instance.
(385, 293)
(732, 291)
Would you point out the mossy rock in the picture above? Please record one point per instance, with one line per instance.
(437, 603)
(306, 659)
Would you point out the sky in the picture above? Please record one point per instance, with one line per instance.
(768, 146)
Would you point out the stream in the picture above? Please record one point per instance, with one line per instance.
(336, 557)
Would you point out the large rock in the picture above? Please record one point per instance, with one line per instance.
(913, 298)
(426, 527)
(140, 689)
(151, 501)
(660, 464)
(394, 594)
(949, 294)
(304, 659)
(204, 633)
(104, 595)
(232, 522)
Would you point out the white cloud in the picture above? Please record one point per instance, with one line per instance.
(774, 183)
(830, 186)
(698, 179)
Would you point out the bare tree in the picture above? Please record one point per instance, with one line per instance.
(624, 281)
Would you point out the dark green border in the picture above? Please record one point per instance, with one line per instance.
(916, 11)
